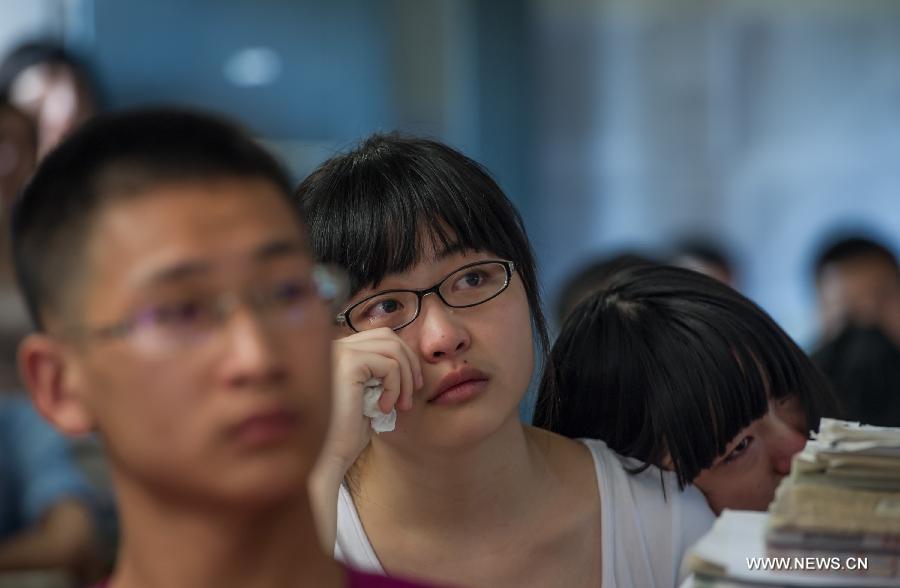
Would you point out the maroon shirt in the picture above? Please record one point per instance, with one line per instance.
(357, 579)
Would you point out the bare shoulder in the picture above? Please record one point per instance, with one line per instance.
(571, 463)
(571, 511)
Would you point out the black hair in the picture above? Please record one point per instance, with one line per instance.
(113, 157)
(667, 362)
(592, 277)
(368, 211)
(852, 248)
(863, 366)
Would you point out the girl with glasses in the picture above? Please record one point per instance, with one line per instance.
(445, 311)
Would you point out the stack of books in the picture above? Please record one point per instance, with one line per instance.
(835, 520)
(842, 500)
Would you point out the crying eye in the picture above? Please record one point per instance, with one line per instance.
(383, 307)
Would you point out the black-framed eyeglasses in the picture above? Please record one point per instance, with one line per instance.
(470, 285)
(286, 303)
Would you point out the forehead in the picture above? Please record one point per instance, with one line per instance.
(431, 267)
(215, 221)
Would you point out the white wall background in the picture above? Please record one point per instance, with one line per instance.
(764, 123)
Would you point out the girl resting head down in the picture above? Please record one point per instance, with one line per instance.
(445, 311)
(676, 369)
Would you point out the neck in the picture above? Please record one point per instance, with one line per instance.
(454, 490)
(167, 542)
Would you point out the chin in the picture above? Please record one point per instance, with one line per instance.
(462, 429)
(264, 491)
(265, 482)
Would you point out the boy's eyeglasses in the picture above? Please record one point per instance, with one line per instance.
(286, 303)
(470, 285)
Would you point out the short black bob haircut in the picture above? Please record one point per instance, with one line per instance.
(852, 248)
(110, 158)
(669, 362)
(369, 209)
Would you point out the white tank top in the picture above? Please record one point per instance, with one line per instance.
(645, 534)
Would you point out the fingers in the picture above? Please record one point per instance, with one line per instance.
(386, 361)
(386, 369)
(401, 376)
(390, 338)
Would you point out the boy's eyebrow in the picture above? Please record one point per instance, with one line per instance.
(281, 247)
(178, 272)
(181, 271)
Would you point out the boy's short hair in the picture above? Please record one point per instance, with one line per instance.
(110, 158)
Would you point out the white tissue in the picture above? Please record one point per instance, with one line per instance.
(381, 422)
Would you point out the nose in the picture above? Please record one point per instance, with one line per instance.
(441, 334)
(250, 355)
(784, 443)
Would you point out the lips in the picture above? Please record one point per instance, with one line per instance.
(459, 385)
(266, 427)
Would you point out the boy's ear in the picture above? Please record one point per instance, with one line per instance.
(52, 381)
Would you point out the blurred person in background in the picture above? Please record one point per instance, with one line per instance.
(858, 291)
(46, 505)
(18, 153)
(863, 365)
(858, 283)
(52, 86)
(707, 257)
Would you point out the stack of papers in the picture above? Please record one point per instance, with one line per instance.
(835, 520)
(733, 554)
(842, 499)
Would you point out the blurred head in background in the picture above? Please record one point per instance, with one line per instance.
(706, 257)
(18, 155)
(591, 277)
(18, 152)
(52, 86)
(858, 284)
